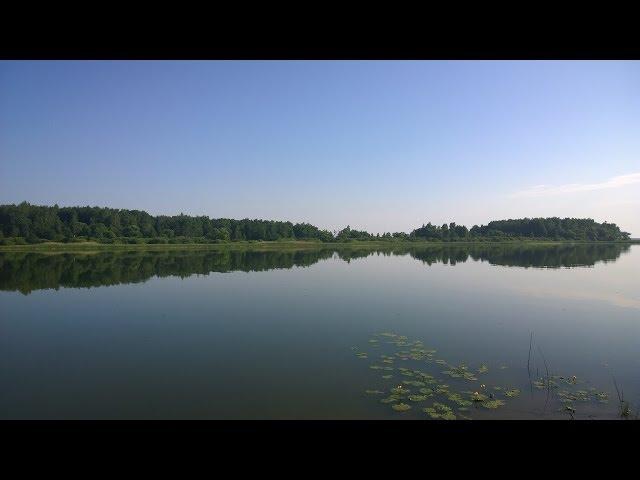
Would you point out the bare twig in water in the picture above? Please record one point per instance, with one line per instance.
(548, 379)
(529, 364)
(529, 359)
(620, 395)
(625, 408)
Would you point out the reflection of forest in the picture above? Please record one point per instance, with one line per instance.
(26, 272)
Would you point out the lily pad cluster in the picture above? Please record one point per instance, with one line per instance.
(571, 391)
(414, 381)
(408, 386)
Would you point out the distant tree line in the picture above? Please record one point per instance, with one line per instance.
(26, 223)
(553, 228)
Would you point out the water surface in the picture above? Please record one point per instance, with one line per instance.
(275, 334)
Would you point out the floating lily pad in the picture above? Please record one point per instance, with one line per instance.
(399, 390)
(478, 397)
(457, 399)
(373, 392)
(514, 392)
(390, 399)
(440, 411)
(493, 404)
(413, 383)
(387, 377)
(401, 407)
(418, 398)
(483, 369)
(461, 371)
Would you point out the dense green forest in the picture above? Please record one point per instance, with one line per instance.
(26, 223)
(28, 271)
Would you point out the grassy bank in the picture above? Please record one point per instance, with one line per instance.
(270, 245)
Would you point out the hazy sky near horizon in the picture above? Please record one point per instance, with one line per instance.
(377, 145)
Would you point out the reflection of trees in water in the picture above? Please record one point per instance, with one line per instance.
(32, 271)
(26, 272)
(549, 256)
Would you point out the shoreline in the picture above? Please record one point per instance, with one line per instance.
(278, 245)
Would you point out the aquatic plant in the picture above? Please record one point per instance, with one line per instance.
(400, 390)
(418, 398)
(401, 407)
(440, 411)
(390, 399)
(430, 385)
(457, 399)
(414, 383)
(461, 371)
(493, 403)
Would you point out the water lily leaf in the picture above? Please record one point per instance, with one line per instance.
(493, 404)
(483, 369)
(431, 412)
(441, 411)
(478, 397)
(461, 371)
(418, 398)
(457, 399)
(401, 407)
(390, 399)
(442, 407)
(399, 390)
(413, 383)
(373, 392)
(514, 392)
(387, 377)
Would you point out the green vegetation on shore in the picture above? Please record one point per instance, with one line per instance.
(92, 227)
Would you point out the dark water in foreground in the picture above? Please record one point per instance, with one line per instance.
(284, 334)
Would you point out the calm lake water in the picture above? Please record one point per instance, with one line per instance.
(295, 334)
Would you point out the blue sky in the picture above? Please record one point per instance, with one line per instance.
(382, 146)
